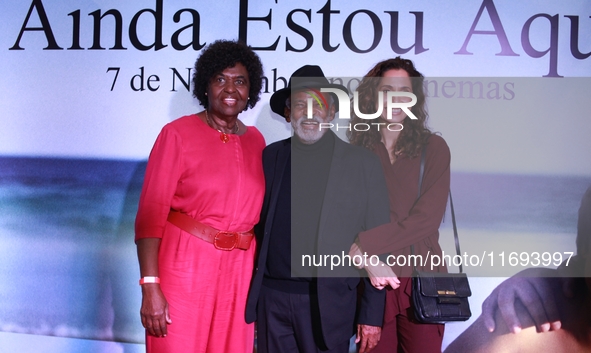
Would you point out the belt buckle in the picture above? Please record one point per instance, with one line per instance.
(225, 240)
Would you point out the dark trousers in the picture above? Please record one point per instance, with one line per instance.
(290, 323)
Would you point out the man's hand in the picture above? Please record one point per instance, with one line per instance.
(368, 336)
(356, 251)
(534, 290)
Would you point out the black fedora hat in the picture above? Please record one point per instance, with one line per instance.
(312, 77)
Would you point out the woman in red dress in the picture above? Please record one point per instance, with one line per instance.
(399, 142)
(201, 197)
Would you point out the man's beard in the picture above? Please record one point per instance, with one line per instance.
(308, 136)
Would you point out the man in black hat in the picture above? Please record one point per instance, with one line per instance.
(320, 193)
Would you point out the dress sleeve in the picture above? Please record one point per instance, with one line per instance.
(160, 183)
(424, 218)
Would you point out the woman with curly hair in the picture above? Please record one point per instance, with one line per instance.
(201, 197)
(399, 141)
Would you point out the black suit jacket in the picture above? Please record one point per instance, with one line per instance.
(355, 200)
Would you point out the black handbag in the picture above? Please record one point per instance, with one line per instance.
(440, 297)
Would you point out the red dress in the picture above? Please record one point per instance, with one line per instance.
(219, 184)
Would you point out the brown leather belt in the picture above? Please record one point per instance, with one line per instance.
(222, 240)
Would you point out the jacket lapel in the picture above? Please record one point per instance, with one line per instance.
(282, 158)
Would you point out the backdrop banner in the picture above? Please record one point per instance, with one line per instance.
(87, 86)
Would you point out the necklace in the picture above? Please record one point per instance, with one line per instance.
(223, 136)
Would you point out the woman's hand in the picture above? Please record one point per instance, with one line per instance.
(381, 275)
(154, 311)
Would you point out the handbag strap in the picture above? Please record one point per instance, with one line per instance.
(451, 204)
(453, 222)
(421, 172)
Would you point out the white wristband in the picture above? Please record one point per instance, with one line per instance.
(149, 279)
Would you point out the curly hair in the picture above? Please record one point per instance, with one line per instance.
(221, 55)
(415, 133)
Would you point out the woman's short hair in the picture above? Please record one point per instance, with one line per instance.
(223, 54)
